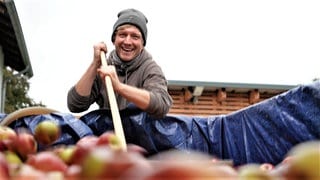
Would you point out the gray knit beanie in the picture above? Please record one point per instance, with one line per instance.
(133, 17)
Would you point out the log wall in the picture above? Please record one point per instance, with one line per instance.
(214, 102)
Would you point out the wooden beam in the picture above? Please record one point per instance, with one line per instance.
(187, 95)
(254, 96)
(221, 95)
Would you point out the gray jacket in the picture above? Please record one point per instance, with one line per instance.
(142, 72)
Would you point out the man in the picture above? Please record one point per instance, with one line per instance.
(135, 76)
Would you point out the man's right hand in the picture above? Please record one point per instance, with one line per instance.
(97, 51)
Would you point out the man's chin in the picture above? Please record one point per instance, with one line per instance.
(126, 57)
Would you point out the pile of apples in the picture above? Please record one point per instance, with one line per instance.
(102, 157)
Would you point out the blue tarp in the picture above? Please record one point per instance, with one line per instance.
(263, 132)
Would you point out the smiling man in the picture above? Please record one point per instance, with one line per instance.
(136, 77)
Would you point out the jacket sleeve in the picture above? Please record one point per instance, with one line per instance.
(77, 103)
(156, 84)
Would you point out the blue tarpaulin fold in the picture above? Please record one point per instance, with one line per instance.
(263, 132)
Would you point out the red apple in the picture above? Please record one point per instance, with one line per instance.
(78, 154)
(25, 172)
(54, 175)
(25, 144)
(279, 170)
(183, 169)
(137, 149)
(110, 139)
(47, 161)
(73, 172)
(287, 160)
(103, 162)
(47, 132)
(7, 136)
(176, 164)
(88, 141)
(4, 167)
(3, 146)
(266, 167)
(82, 148)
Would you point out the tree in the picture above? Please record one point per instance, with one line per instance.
(17, 87)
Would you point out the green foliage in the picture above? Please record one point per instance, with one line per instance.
(17, 87)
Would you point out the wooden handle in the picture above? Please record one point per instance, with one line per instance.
(114, 107)
(28, 111)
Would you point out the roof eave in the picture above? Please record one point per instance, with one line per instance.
(226, 84)
(20, 38)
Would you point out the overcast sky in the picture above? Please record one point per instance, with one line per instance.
(241, 41)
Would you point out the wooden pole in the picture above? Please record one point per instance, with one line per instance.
(114, 107)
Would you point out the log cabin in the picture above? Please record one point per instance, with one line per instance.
(201, 98)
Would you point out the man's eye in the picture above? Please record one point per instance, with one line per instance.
(136, 37)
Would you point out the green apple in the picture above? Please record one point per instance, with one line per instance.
(252, 171)
(110, 139)
(47, 132)
(7, 133)
(305, 162)
(7, 137)
(65, 153)
(12, 157)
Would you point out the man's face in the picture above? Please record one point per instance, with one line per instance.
(128, 42)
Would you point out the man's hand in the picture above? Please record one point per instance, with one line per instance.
(110, 71)
(97, 50)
